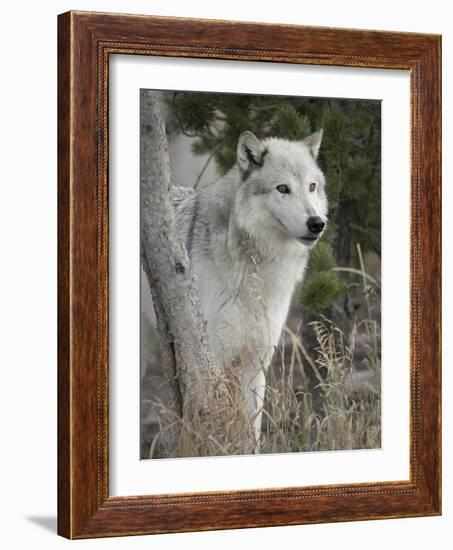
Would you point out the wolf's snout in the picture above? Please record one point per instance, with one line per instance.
(315, 224)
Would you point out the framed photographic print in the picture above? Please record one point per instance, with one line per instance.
(249, 275)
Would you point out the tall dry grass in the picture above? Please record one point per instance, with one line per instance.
(333, 409)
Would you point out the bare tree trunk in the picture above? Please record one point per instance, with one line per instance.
(199, 399)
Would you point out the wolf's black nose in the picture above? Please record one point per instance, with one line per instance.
(315, 224)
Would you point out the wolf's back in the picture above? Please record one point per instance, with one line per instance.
(184, 201)
(180, 194)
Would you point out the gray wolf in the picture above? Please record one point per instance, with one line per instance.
(248, 236)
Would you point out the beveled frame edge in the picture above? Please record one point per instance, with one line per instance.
(85, 41)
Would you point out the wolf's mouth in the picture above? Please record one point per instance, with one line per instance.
(308, 239)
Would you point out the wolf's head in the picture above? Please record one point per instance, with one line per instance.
(280, 193)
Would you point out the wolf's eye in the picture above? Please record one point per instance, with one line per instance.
(312, 187)
(284, 189)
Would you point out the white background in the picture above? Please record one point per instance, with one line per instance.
(28, 271)
(128, 475)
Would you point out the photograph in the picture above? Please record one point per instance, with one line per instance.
(249, 272)
(274, 203)
(226, 251)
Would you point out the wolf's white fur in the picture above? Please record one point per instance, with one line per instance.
(245, 242)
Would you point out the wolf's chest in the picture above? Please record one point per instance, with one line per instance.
(246, 306)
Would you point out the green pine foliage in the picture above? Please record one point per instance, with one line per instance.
(321, 289)
(349, 156)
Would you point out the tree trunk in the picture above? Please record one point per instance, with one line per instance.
(199, 400)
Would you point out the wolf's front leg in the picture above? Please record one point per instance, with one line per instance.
(255, 387)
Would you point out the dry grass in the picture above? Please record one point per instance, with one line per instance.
(336, 411)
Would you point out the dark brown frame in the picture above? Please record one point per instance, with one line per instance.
(85, 42)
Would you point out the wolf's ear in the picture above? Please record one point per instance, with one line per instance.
(313, 142)
(250, 152)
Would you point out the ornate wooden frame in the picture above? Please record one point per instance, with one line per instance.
(85, 42)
